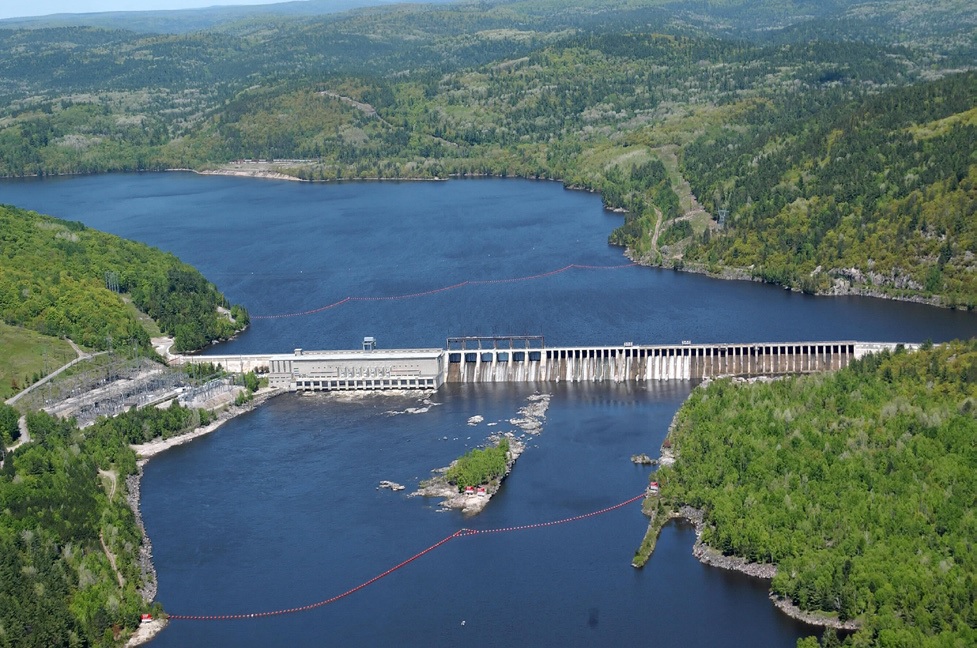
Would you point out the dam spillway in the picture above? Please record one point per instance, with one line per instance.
(527, 359)
(628, 363)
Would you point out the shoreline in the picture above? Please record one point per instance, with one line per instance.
(146, 451)
(268, 174)
(707, 555)
(731, 273)
(712, 557)
(146, 631)
(726, 273)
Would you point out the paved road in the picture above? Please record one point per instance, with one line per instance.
(25, 436)
(84, 356)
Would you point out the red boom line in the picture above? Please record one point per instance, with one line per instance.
(473, 282)
(457, 534)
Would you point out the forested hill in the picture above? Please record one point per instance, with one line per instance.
(64, 279)
(181, 21)
(71, 573)
(861, 486)
(71, 568)
(838, 135)
(880, 193)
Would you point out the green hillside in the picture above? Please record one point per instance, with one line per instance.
(838, 135)
(860, 486)
(63, 279)
(879, 195)
(70, 572)
(26, 356)
(70, 568)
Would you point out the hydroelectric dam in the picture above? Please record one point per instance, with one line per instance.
(500, 359)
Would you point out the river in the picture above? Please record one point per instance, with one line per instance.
(279, 508)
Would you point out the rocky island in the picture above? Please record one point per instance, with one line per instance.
(470, 481)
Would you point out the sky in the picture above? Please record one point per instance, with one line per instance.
(17, 8)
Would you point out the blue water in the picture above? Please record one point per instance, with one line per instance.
(284, 247)
(279, 508)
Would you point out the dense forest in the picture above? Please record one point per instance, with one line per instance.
(835, 138)
(861, 486)
(64, 279)
(882, 191)
(69, 543)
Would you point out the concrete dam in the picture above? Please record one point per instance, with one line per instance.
(638, 363)
(527, 359)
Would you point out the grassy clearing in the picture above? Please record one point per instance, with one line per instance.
(145, 321)
(25, 354)
(700, 222)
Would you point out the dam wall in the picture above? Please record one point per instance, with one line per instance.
(658, 362)
(372, 369)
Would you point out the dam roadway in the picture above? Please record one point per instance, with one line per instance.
(527, 359)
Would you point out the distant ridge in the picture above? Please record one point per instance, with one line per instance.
(178, 21)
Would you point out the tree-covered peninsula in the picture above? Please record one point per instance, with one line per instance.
(71, 568)
(71, 573)
(860, 486)
(63, 279)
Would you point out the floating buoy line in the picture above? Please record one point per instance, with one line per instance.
(434, 291)
(457, 534)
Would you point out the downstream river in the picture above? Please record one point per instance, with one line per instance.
(280, 508)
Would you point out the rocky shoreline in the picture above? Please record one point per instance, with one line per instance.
(713, 557)
(838, 288)
(812, 618)
(145, 451)
(148, 587)
(529, 420)
(710, 556)
(252, 173)
(267, 171)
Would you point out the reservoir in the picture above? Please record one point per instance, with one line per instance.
(279, 508)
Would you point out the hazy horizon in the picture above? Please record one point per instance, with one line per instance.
(49, 7)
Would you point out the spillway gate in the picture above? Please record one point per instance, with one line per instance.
(527, 359)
